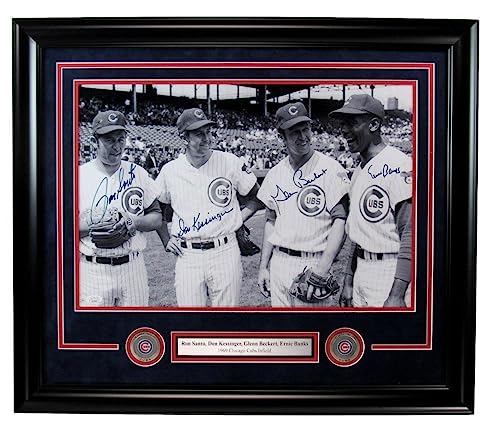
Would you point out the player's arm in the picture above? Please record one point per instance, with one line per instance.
(402, 277)
(266, 253)
(151, 220)
(84, 225)
(253, 204)
(351, 263)
(336, 237)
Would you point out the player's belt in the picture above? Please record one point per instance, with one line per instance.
(367, 255)
(296, 253)
(113, 261)
(207, 245)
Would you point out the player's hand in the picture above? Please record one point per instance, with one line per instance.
(174, 246)
(394, 301)
(346, 295)
(263, 282)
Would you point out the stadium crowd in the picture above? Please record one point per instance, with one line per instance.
(154, 141)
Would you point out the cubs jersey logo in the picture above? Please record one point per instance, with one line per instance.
(133, 200)
(220, 191)
(374, 204)
(311, 200)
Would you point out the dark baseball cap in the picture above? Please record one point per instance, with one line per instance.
(107, 121)
(291, 114)
(361, 104)
(191, 119)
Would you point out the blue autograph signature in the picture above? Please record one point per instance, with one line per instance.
(386, 171)
(300, 181)
(100, 202)
(199, 224)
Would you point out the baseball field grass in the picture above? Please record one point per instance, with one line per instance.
(161, 269)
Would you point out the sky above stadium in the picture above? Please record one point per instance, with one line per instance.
(403, 93)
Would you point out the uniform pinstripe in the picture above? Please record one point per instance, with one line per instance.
(131, 190)
(302, 200)
(206, 209)
(376, 189)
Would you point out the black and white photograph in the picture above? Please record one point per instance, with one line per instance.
(242, 196)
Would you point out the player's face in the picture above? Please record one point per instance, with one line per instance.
(199, 140)
(110, 147)
(298, 139)
(357, 132)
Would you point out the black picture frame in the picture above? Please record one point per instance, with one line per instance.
(458, 39)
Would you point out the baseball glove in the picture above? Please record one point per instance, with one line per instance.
(247, 247)
(300, 284)
(112, 230)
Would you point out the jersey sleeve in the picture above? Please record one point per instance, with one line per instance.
(149, 186)
(161, 185)
(401, 184)
(244, 179)
(338, 185)
(264, 193)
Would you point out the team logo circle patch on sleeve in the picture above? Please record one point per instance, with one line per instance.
(220, 191)
(311, 200)
(145, 347)
(133, 200)
(374, 204)
(344, 347)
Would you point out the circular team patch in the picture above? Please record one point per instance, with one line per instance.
(344, 347)
(311, 200)
(374, 204)
(145, 347)
(133, 200)
(220, 191)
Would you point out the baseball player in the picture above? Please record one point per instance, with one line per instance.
(118, 202)
(201, 187)
(379, 222)
(306, 206)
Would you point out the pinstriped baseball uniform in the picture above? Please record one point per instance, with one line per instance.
(302, 200)
(129, 189)
(376, 189)
(206, 210)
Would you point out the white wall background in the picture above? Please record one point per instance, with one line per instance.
(487, 377)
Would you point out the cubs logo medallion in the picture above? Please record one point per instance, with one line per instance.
(133, 201)
(374, 204)
(311, 200)
(145, 347)
(220, 191)
(344, 347)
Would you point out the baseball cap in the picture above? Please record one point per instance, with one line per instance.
(291, 114)
(192, 118)
(361, 104)
(107, 121)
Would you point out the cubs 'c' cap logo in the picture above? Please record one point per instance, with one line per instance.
(220, 191)
(374, 204)
(145, 347)
(293, 110)
(199, 114)
(113, 117)
(311, 200)
(406, 176)
(133, 200)
(344, 347)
